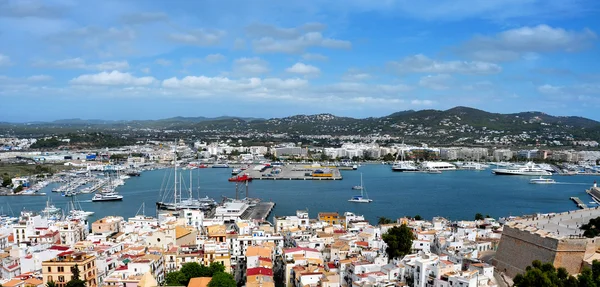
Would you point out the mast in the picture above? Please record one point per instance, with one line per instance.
(191, 184)
(175, 169)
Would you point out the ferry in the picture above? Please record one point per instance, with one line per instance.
(437, 165)
(220, 165)
(542, 180)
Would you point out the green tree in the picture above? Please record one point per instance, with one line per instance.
(384, 220)
(6, 182)
(418, 217)
(592, 228)
(75, 280)
(49, 284)
(399, 241)
(176, 278)
(478, 216)
(539, 274)
(222, 279)
(389, 157)
(216, 267)
(18, 189)
(324, 157)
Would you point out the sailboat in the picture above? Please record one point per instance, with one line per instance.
(363, 197)
(179, 203)
(359, 187)
(78, 212)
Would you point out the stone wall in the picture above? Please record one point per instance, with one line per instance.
(518, 248)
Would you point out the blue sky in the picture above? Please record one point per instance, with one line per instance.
(360, 58)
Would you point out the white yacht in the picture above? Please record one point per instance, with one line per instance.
(404, 166)
(50, 208)
(542, 180)
(107, 196)
(528, 169)
(474, 166)
(363, 197)
(437, 165)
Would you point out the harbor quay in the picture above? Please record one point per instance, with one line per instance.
(293, 172)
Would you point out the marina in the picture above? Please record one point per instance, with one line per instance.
(292, 172)
(579, 202)
(428, 195)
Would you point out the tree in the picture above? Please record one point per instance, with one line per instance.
(6, 182)
(478, 216)
(216, 267)
(384, 220)
(222, 279)
(49, 284)
(399, 241)
(175, 278)
(592, 228)
(18, 189)
(539, 274)
(75, 281)
(324, 157)
(418, 217)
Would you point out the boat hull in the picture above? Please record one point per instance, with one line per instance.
(509, 172)
(107, 199)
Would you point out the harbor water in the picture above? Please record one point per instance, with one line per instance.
(453, 194)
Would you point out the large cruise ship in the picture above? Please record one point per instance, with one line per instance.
(528, 169)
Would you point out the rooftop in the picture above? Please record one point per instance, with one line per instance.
(557, 225)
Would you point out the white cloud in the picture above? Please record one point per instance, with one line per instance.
(39, 78)
(355, 75)
(422, 102)
(239, 44)
(301, 68)
(4, 60)
(436, 82)
(145, 70)
(163, 62)
(526, 42)
(582, 92)
(259, 30)
(314, 57)
(250, 66)
(214, 58)
(421, 64)
(297, 45)
(79, 63)
(198, 37)
(144, 17)
(114, 78)
(111, 65)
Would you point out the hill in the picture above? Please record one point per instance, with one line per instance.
(459, 125)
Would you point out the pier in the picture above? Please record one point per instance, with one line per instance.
(259, 212)
(293, 172)
(579, 202)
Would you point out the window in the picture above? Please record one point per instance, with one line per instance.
(50, 277)
(61, 278)
(61, 269)
(49, 269)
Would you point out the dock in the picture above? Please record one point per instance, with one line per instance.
(293, 172)
(259, 212)
(579, 202)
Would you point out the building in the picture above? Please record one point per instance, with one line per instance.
(554, 238)
(58, 269)
(332, 218)
(107, 225)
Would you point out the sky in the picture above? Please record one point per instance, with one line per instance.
(123, 60)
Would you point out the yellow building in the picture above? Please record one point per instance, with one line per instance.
(59, 268)
(333, 218)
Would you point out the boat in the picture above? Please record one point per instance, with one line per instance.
(529, 169)
(403, 165)
(107, 196)
(359, 187)
(134, 173)
(437, 165)
(240, 178)
(542, 180)
(203, 166)
(354, 167)
(434, 171)
(236, 171)
(50, 208)
(474, 166)
(180, 203)
(363, 197)
(220, 165)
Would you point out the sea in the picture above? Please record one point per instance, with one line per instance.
(456, 195)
